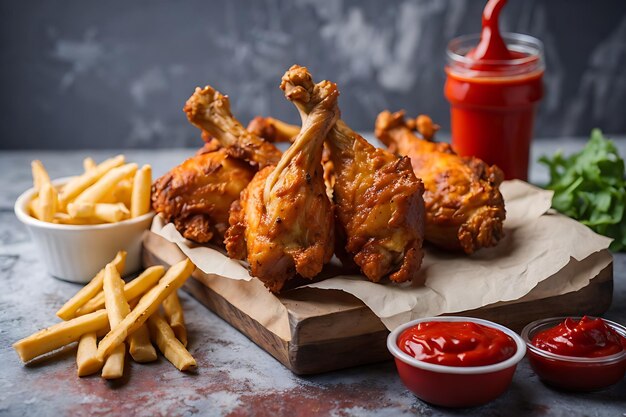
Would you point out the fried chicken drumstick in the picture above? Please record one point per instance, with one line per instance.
(196, 195)
(283, 222)
(209, 111)
(464, 207)
(379, 206)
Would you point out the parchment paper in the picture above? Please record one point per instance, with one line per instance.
(206, 258)
(538, 244)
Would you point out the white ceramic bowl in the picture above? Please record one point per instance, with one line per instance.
(77, 252)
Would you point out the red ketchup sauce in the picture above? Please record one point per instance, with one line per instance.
(493, 91)
(456, 343)
(590, 349)
(586, 338)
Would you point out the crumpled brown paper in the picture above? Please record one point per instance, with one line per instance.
(208, 259)
(537, 246)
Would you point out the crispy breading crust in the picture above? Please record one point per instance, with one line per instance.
(464, 206)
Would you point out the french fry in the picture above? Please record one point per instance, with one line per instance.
(110, 213)
(133, 289)
(90, 290)
(96, 192)
(89, 164)
(34, 208)
(41, 208)
(140, 199)
(81, 210)
(86, 361)
(117, 308)
(173, 279)
(79, 184)
(175, 317)
(168, 344)
(47, 202)
(114, 301)
(40, 175)
(59, 335)
(64, 218)
(114, 365)
(123, 191)
(140, 347)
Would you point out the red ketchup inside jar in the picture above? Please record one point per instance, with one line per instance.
(585, 338)
(494, 84)
(456, 343)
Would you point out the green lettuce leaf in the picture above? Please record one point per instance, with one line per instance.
(590, 186)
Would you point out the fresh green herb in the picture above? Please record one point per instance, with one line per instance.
(590, 186)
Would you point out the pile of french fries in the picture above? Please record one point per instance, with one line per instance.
(108, 192)
(125, 315)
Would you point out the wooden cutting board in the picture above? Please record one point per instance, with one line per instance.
(312, 331)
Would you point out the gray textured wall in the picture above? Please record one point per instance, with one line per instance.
(93, 74)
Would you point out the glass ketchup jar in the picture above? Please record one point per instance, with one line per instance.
(494, 84)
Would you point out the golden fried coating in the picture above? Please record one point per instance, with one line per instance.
(464, 207)
(210, 145)
(196, 195)
(283, 223)
(379, 207)
(209, 110)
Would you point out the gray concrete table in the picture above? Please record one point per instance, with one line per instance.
(234, 377)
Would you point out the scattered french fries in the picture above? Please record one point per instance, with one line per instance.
(86, 293)
(109, 192)
(173, 279)
(133, 289)
(125, 315)
(86, 361)
(169, 345)
(175, 317)
(140, 347)
(59, 335)
(114, 365)
(114, 301)
(117, 308)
